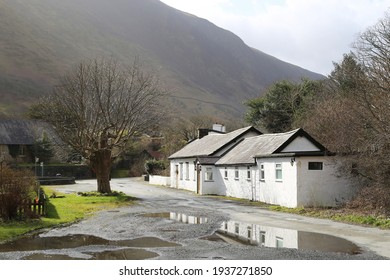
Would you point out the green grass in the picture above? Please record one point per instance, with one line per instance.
(340, 215)
(65, 209)
(336, 214)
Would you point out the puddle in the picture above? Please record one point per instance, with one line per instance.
(144, 242)
(36, 243)
(123, 254)
(233, 232)
(47, 257)
(126, 254)
(178, 217)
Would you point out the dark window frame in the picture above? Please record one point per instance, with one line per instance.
(315, 165)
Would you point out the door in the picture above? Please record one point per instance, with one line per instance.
(176, 176)
(253, 184)
(198, 178)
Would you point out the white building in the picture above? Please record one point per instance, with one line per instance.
(290, 169)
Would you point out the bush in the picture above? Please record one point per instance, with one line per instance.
(155, 167)
(16, 187)
(372, 200)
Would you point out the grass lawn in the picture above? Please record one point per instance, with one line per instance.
(343, 215)
(64, 209)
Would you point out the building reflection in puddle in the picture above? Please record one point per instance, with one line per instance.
(187, 219)
(265, 236)
(178, 217)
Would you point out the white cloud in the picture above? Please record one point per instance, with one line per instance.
(309, 33)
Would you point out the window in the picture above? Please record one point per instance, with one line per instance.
(236, 173)
(226, 173)
(262, 238)
(248, 173)
(278, 172)
(279, 242)
(181, 171)
(237, 228)
(209, 174)
(249, 232)
(187, 170)
(316, 165)
(262, 172)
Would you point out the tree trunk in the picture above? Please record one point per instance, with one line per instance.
(101, 164)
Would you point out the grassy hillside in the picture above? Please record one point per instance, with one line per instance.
(208, 70)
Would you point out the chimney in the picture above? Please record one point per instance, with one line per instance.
(202, 132)
(219, 127)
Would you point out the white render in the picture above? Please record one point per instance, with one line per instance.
(322, 187)
(300, 144)
(234, 170)
(301, 186)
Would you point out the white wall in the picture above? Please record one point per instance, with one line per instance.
(300, 144)
(184, 182)
(322, 187)
(215, 186)
(159, 180)
(239, 188)
(279, 192)
(181, 181)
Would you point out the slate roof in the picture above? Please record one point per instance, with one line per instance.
(261, 146)
(210, 144)
(21, 132)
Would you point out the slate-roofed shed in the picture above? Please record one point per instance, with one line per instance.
(19, 132)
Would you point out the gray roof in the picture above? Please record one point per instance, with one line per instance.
(266, 144)
(21, 132)
(210, 144)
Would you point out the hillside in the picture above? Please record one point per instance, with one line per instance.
(208, 69)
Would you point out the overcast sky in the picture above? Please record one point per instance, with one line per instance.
(309, 33)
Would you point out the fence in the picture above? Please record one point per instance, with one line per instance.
(33, 208)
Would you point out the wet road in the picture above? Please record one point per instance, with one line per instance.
(175, 224)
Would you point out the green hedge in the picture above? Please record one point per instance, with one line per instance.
(66, 170)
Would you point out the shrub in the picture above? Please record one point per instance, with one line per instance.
(154, 167)
(373, 200)
(16, 187)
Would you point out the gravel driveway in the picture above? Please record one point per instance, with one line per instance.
(174, 224)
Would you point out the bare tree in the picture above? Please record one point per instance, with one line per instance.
(353, 118)
(99, 106)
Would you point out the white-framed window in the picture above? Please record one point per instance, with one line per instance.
(262, 238)
(237, 228)
(279, 242)
(249, 232)
(181, 171)
(187, 170)
(248, 173)
(262, 172)
(236, 173)
(278, 172)
(315, 165)
(226, 173)
(209, 174)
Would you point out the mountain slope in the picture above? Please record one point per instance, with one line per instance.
(209, 70)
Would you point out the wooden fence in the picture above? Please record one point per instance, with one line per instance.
(34, 207)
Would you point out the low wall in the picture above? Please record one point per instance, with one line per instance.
(159, 180)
